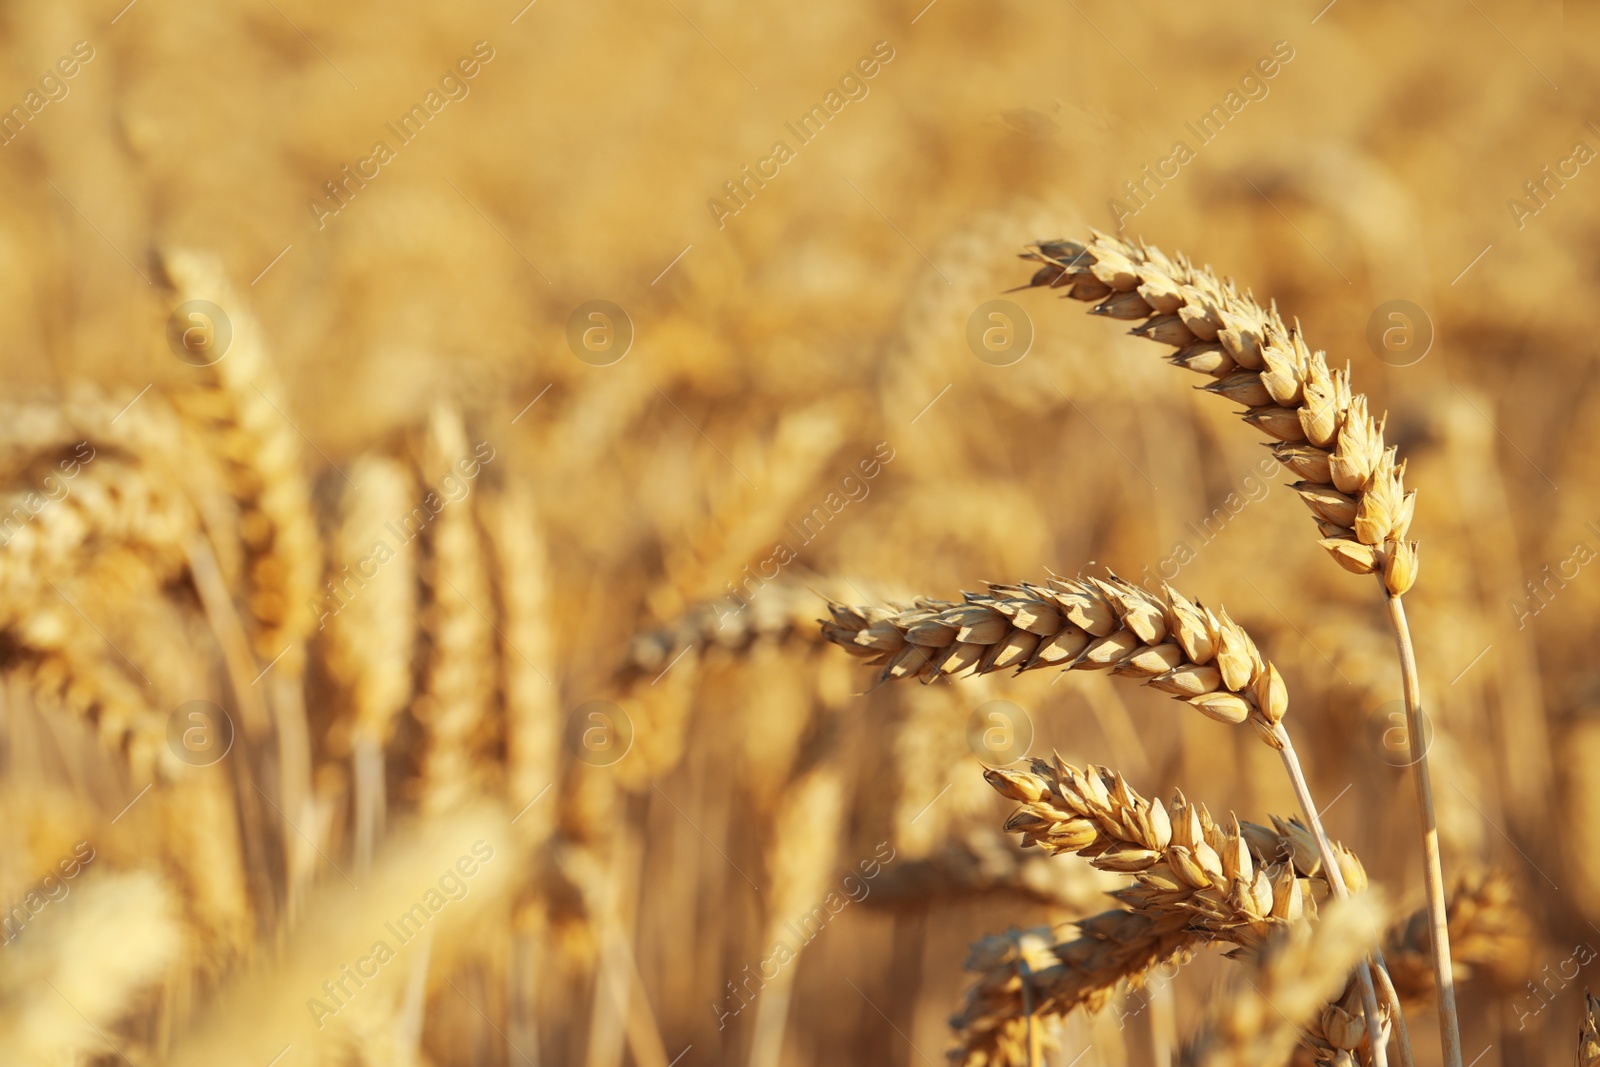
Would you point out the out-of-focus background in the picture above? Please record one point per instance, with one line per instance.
(230, 767)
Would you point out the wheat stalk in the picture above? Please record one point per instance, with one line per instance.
(1352, 482)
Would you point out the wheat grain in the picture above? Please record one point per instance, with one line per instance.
(1351, 481)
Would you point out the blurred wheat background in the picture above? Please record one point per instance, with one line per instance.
(353, 567)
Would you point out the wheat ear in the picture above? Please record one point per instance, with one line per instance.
(371, 621)
(1165, 640)
(1024, 978)
(1352, 482)
(460, 676)
(1291, 980)
(1194, 882)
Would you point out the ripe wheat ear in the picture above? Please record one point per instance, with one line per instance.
(1195, 881)
(1353, 483)
(1167, 641)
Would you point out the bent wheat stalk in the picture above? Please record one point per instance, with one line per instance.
(1167, 641)
(1350, 480)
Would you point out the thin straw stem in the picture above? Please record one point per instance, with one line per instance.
(1432, 870)
(1330, 863)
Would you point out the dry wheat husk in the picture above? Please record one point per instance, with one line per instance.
(1351, 481)
(1170, 643)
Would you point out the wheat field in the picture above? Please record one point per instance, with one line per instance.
(603, 535)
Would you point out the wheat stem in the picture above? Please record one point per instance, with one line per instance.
(1330, 863)
(1432, 871)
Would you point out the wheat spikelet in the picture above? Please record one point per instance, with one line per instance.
(1163, 640)
(1290, 980)
(1350, 480)
(371, 621)
(59, 657)
(458, 688)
